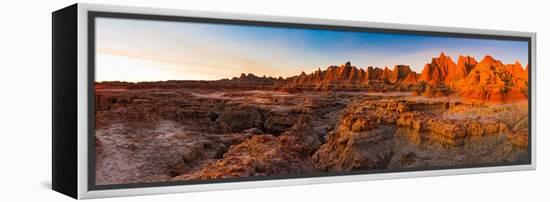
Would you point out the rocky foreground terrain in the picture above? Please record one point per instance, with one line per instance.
(339, 119)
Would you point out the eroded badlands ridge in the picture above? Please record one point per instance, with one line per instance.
(340, 119)
(486, 81)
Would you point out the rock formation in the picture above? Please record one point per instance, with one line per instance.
(464, 66)
(489, 81)
(380, 134)
(437, 71)
(401, 74)
(252, 126)
(265, 155)
(493, 82)
(347, 77)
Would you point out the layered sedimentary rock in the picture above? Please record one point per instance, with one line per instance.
(335, 119)
(465, 64)
(374, 134)
(147, 135)
(488, 81)
(374, 75)
(348, 75)
(443, 70)
(357, 143)
(402, 74)
(265, 155)
(438, 69)
(493, 82)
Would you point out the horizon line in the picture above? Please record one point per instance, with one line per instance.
(523, 67)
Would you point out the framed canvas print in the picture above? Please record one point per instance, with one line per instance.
(150, 101)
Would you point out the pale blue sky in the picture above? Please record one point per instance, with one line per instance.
(148, 50)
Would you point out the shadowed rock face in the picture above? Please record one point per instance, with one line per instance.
(464, 65)
(265, 155)
(343, 118)
(402, 74)
(149, 135)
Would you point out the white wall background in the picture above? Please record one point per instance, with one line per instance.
(25, 87)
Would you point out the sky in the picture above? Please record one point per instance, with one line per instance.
(150, 50)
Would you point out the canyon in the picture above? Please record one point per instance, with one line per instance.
(340, 119)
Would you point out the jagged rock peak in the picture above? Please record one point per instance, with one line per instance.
(488, 59)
